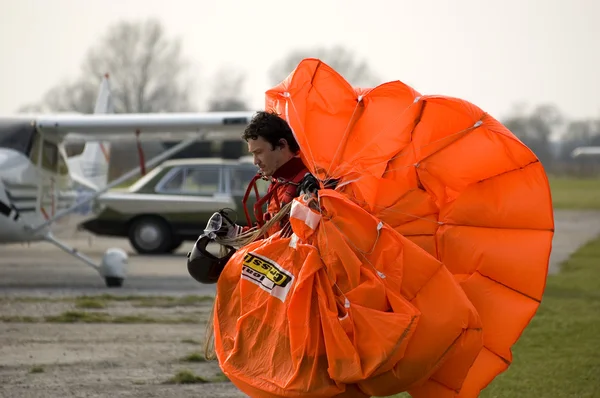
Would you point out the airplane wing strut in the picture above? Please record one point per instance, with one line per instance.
(132, 173)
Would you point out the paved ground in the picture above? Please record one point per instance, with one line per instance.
(106, 359)
(128, 360)
(572, 229)
(43, 269)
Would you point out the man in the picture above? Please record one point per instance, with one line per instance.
(275, 150)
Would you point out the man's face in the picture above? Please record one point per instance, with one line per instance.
(267, 158)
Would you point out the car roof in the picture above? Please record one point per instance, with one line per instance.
(199, 161)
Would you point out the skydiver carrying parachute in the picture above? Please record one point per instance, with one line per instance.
(417, 271)
(275, 150)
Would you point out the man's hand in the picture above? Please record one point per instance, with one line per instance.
(229, 231)
(309, 184)
(220, 225)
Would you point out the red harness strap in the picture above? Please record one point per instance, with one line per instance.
(258, 212)
(287, 177)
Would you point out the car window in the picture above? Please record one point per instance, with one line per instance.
(241, 177)
(198, 180)
(201, 180)
(172, 182)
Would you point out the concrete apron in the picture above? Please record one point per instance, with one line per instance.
(573, 229)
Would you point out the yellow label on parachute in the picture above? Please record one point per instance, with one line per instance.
(267, 274)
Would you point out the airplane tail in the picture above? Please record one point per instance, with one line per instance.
(90, 168)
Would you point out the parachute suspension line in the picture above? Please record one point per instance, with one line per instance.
(314, 204)
(380, 274)
(286, 95)
(209, 335)
(312, 157)
(463, 132)
(360, 107)
(379, 207)
(140, 152)
(255, 233)
(403, 153)
(416, 165)
(239, 241)
(287, 117)
(288, 101)
(351, 162)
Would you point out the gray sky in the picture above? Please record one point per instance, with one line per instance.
(493, 53)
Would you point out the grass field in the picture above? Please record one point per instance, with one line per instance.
(558, 354)
(575, 193)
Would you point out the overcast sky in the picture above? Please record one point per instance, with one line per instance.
(491, 52)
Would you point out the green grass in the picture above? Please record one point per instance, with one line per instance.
(170, 302)
(194, 357)
(102, 301)
(103, 317)
(89, 303)
(558, 354)
(191, 341)
(575, 193)
(186, 377)
(36, 369)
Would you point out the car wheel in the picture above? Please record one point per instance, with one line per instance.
(150, 235)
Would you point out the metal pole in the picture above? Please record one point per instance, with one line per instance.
(183, 144)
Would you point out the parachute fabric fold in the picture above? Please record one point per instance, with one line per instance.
(417, 273)
(369, 319)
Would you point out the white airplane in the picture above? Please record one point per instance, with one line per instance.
(39, 185)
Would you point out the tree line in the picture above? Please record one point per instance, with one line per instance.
(149, 73)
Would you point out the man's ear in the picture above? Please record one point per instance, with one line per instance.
(282, 143)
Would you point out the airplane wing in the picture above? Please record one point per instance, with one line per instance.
(149, 125)
(585, 150)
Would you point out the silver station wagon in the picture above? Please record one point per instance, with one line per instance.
(173, 202)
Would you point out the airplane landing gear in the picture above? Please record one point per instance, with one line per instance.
(111, 281)
(114, 267)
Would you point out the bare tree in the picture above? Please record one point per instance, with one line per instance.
(148, 73)
(356, 71)
(535, 130)
(147, 70)
(228, 95)
(228, 92)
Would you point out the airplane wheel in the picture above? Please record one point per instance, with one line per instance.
(111, 281)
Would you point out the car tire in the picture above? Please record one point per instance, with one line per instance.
(150, 235)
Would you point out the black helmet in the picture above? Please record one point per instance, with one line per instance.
(204, 266)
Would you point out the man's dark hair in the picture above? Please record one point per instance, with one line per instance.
(271, 128)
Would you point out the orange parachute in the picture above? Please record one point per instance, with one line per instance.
(417, 273)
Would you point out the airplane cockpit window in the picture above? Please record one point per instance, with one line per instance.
(49, 155)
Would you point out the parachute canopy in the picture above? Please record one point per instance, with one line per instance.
(417, 273)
